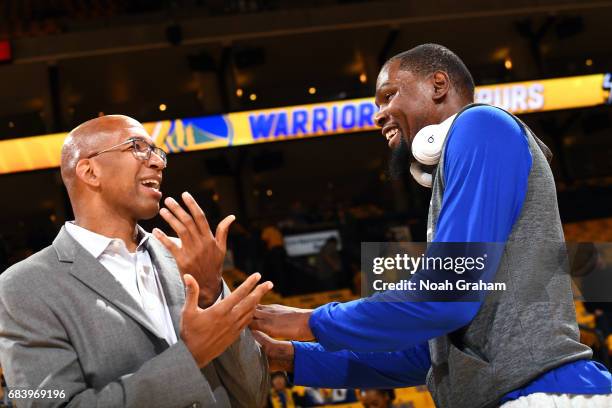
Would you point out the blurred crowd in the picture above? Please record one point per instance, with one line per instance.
(334, 259)
(284, 395)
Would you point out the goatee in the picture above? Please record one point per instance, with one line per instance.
(399, 163)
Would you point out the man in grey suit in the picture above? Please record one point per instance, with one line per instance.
(101, 318)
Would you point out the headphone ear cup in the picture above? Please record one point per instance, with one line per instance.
(428, 142)
(427, 145)
(420, 175)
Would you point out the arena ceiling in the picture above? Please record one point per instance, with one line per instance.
(193, 62)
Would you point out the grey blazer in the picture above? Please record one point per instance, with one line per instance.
(67, 325)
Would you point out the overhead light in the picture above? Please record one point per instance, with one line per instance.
(239, 92)
(215, 197)
(508, 64)
(269, 193)
(253, 97)
(162, 107)
(11, 124)
(588, 62)
(363, 78)
(312, 90)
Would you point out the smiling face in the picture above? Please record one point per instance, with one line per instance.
(105, 174)
(406, 103)
(127, 184)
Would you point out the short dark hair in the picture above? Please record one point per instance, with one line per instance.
(426, 59)
(278, 374)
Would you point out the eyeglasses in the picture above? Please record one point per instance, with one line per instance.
(141, 149)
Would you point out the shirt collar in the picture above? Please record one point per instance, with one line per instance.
(142, 236)
(96, 243)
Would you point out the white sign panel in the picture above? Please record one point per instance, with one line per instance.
(309, 244)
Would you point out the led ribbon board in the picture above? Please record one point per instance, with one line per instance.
(322, 119)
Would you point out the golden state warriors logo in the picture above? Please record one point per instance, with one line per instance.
(181, 135)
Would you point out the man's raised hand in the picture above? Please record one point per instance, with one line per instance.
(200, 253)
(209, 332)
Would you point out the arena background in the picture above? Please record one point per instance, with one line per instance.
(187, 68)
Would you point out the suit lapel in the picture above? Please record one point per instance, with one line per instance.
(90, 272)
(170, 279)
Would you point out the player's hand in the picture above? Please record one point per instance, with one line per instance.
(209, 332)
(283, 322)
(279, 353)
(200, 253)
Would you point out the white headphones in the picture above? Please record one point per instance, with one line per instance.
(427, 148)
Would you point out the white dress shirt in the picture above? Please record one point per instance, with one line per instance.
(134, 271)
